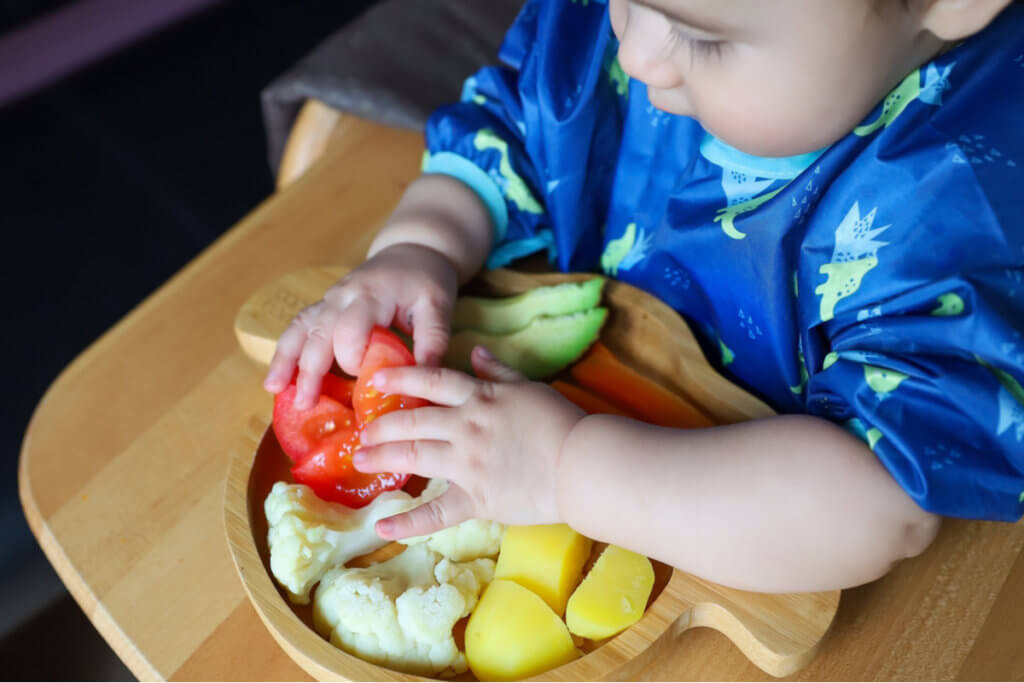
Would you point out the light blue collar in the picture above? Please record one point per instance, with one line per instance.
(783, 168)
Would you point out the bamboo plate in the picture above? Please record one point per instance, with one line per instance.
(780, 633)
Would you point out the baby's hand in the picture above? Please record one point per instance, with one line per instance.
(408, 285)
(495, 439)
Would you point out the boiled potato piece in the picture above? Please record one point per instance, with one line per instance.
(612, 596)
(546, 559)
(513, 634)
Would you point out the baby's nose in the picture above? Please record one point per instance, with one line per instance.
(649, 63)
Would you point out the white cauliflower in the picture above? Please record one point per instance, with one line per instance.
(467, 541)
(396, 614)
(470, 578)
(309, 536)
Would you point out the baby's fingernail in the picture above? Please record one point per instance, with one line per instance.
(379, 379)
(359, 459)
(484, 353)
(385, 527)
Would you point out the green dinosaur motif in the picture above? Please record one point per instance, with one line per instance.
(514, 187)
(895, 103)
(727, 216)
(727, 355)
(1012, 386)
(843, 280)
(871, 436)
(804, 376)
(949, 304)
(829, 360)
(626, 251)
(618, 77)
(881, 380)
(616, 250)
(854, 255)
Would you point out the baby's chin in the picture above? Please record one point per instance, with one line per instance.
(752, 137)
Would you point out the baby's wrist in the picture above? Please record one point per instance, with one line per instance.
(569, 474)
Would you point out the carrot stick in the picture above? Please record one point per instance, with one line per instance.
(590, 402)
(604, 374)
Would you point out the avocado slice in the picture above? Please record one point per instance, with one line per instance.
(514, 313)
(544, 347)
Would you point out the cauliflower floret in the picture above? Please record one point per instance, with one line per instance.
(395, 614)
(467, 541)
(469, 578)
(309, 536)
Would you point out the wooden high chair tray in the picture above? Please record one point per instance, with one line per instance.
(778, 633)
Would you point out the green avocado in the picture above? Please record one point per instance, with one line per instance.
(514, 313)
(545, 346)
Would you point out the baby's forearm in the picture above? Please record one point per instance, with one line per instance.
(440, 212)
(787, 504)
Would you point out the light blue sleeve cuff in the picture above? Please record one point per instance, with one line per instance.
(461, 168)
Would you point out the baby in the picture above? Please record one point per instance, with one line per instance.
(831, 194)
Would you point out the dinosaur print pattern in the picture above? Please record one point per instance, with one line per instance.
(909, 90)
(727, 216)
(855, 253)
(626, 251)
(512, 186)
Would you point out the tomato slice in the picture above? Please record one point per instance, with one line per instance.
(329, 472)
(385, 350)
(298, 431)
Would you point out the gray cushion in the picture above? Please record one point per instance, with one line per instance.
(394, 64)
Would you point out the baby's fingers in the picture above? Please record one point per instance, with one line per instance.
(289, 349)
(442, 386)
(430, 333)
(453, 507)
(431, 459)
(353, 331)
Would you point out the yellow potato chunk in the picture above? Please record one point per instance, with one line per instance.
(513, 634)
(547, 559)
(612, 596)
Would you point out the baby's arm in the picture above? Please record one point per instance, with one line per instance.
(791, 503)
(443, 214)
(437, 237)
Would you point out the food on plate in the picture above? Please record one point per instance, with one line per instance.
(309, 536)
(589, 401)
(384, 350)
(511, 314)
(612, 596)
(513, 634)
(398, 613)
(542, 348)
(321, 440)
(298, 431)
(600, 371)
(472, 538)
(546, 559)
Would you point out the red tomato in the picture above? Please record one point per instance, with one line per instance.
(298, 431)
(385, 350)
(329, 472)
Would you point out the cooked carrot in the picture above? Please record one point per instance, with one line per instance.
(604, 374)
(590, 402)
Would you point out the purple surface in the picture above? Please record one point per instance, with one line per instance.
(74, 36)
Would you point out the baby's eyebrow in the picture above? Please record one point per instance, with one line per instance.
(672, 10)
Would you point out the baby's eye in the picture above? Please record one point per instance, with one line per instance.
(699, 49)
(705, 49)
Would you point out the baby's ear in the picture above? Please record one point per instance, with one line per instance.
(953, 20)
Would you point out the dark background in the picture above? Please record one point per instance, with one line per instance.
(111, 180)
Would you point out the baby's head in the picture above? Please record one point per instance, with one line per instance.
(784, 77)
